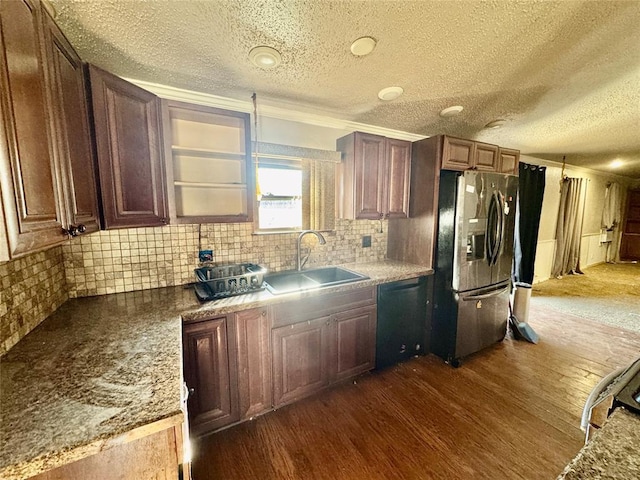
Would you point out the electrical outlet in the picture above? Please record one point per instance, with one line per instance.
(205, 256)
(366, 241)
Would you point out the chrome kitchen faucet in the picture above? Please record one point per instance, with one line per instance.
(301, 261)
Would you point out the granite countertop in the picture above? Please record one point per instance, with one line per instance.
(612, 454)
(100, 367)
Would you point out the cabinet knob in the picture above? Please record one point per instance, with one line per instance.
(264, 313)
(163, 221)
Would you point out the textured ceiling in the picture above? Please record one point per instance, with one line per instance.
(565, 75)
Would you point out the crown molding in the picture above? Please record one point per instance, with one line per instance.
(271, 111)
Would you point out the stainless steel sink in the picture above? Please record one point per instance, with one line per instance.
(295, 281)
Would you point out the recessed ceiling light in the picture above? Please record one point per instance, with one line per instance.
(451, 111)
(495, 123)
(265, 57)
(617, 163)
(363, 46)
(390, 93)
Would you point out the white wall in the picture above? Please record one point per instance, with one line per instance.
(592, 251)
(297, 134)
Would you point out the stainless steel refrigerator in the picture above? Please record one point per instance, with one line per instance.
(476, 218)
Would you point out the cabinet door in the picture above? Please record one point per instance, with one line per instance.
(355, 342)
(630, 243)
(300, 354)
(131, 170)
(457, 154)
(253, 345)
(30, 183)
(486, 157)
(210, 373)
(370, 173)
(509, 160)
(73, 137)
(396, 185)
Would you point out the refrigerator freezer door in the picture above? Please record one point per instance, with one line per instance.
(482, 319)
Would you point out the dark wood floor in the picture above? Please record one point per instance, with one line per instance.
(510, 412)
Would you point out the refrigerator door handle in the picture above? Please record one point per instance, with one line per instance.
(493, 230)
(501, 222)
(482, 296)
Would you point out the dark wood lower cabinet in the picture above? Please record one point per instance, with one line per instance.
(300, 359)
(210, 372)
(355, 342)
(253, 337)
(227, 368)
(243, 364)
(156, 455)
(320, 346)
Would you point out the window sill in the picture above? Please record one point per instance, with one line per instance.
(277, 231)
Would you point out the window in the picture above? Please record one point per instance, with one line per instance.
(279, 189)
(294, 194)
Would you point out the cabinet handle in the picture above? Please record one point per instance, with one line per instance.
(264, 313)
(74, 230)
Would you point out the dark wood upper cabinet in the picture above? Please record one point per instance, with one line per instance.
(30, 182)
(73, 137)
(396, 187)
(486, 157)
(373, 178)
(457, 153)
(509, 161)
(460, 154)
(210, 374)
(412, 239)
(130, 160)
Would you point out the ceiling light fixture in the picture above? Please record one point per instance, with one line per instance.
(495, 123)
(265, 57)
(390, 93)
(451, 111)
(617, 163)
(363, 46)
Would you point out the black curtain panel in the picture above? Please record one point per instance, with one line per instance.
(530, 194)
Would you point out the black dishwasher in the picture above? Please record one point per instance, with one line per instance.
(403, 320)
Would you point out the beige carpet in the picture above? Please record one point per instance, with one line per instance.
(607, 293)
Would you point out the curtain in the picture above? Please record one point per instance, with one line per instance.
(530, 194)
(569, 229)
(611, 208)
(611, 217)
(318, 193)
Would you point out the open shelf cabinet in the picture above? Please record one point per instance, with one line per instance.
(209, 166)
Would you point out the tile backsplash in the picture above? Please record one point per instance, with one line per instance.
(31, 289)
(140, 258)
